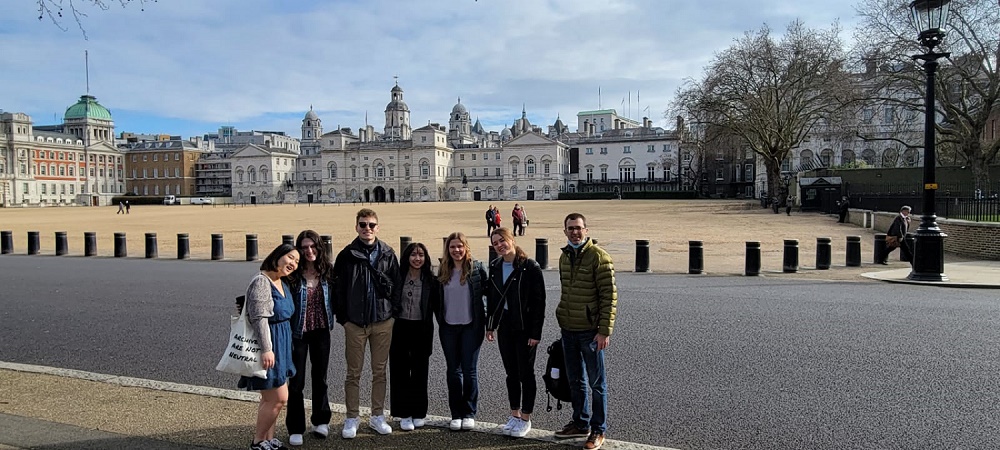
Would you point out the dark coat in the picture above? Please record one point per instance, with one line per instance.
(353, 280)
(523, 293)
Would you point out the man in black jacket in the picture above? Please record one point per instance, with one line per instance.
(364, 271)
(845, 206)
(895, 237)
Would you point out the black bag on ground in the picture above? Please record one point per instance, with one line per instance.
(556, 383)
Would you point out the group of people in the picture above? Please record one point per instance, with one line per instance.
(387, 304)
(519, 219)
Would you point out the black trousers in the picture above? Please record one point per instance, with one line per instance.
(315, 344)
(519, 364)
(518, 229)
(409, 357)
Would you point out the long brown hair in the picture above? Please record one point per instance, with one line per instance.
(448, 264)
(507, 235)
(323, 266)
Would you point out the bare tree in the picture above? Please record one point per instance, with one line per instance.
(771, 92)
(968, 83)
(54, 10)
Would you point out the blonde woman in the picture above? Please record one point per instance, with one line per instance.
(461, 320)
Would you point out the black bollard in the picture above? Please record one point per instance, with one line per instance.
(823, 253)
(753, 259)
(62, 245)
(183, 246)
(288, 239)
(121, 250)
(89, 243)
(33, 245)
(542, 252)
(328, 246)
(6, 242)
(151, 251)
(642, 255)
(878, 252)
(791, 261)
(404, 241)
(853, 251)
(217, 252)
(696, 257)
(251, 247)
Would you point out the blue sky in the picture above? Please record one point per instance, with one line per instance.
(186, 67)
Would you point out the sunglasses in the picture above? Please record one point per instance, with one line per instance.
(370, 225)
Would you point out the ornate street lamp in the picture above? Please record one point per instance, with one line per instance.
(929, 18)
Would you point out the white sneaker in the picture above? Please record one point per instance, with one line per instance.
(378, 424)
(418, 423)
(455, 424)
(521, 429)
(321, 431)
(406, 424)
(468, 423)
(295, 439)
(511, 422)
(350, 428)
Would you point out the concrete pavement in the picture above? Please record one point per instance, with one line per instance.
(61, 409)
(972, 274)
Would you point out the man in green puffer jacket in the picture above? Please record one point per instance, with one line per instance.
(586, 314)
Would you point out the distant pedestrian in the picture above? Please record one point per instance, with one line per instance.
(121, 208)
(269, 306)
(520, 219)
(789, 201)
(845, 205)
(496, 218)
(491, 221)
(127, 207)
(896, 235)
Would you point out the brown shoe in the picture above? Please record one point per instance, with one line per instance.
(594, 441)
(571, 431)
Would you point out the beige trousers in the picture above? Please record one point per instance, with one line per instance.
(378, 336)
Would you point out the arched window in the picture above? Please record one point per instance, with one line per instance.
(252, 174)
(626, 170)
(890, 158)
(425, 169)
(847, 157)
(423, 192)
(333, 193)
(826, 156)
(263, 174)
(332, 167)
(806, 158)
(379, 171)
(513, 191)
(546, 190)
(868, 156)
(529, 166)
(911, 157)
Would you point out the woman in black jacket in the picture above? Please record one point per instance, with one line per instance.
(516, 309)
(412, 336)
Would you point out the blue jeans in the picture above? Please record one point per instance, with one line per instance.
(460, 345)
(585, 368)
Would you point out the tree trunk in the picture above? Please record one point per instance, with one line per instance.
(773, 183)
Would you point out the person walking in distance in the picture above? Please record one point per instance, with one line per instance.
(412, 337)
(515, 314)
(462, 326)
(364, 272)
(845, 206)
(586, 313)
(895, 237)
(519, 218)
(121, 208)
(128, 207)
(312, 292)
(491, 220)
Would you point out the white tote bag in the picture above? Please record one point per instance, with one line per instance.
(242, 355)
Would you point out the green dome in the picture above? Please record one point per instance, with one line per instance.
(87, 108)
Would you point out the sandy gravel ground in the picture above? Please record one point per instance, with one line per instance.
(723, 226)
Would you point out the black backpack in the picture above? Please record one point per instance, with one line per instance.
(558, 386)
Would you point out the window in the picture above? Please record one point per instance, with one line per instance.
(425, 170)
(177, 157)
(473, 156)
(156, 158)
(604, 150)
(25, 188)
(589, 150)
(666, 148)
(177, 172)
(650, 148)
(627, 149)
(513, 169)
(687, 156)
(529, 167)
(133, 158)
(748, 172)
(461, 157)
(143, 160)
(497, 157)
(498, 171)
(626, 174)
(71, 171)
(333, 171)
(604, 174)
(473, 171)
(72, 189)
(406, 171)
(155, 173)
(44, 188)
(590, 174)
(650, 173)
(545, 168)
(379, 171)
(719, 175)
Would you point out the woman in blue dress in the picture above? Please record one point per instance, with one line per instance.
(269, 306)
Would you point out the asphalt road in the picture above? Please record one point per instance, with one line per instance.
(695, 362)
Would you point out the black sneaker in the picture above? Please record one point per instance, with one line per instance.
(571, 431)
(276, 444)
(262, 445)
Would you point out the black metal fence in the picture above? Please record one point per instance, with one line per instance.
(954, 201)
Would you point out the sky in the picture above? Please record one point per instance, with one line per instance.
(187, 67)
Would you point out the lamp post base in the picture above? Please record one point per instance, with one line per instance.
(928, 256)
